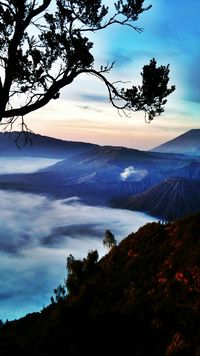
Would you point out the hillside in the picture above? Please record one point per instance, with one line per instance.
(168, 200)
(143, 298)
(11, 144)
(188, 143)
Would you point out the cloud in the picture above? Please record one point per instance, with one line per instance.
(88, 107)
(120, 57)
(94, 98)
(133, 173)
(24, 164)
(36, 236)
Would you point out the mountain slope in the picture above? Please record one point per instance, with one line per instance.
(188, 143)
(143, 298)
(190, 170)
(39, 146)
(171, 199)
(98, 175)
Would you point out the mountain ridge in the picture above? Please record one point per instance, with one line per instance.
(188, 143)
(100, 174)
(14, 144)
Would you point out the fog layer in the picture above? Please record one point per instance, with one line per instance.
(36, 236)
(9, 165)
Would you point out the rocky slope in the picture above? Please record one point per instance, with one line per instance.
(168, 200)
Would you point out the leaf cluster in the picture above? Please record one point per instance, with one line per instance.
(79, 271)
(151, 95)
(109, 240)
(131, 9)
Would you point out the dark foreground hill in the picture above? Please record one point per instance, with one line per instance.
(143, 298)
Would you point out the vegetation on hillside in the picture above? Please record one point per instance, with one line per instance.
(143, 298)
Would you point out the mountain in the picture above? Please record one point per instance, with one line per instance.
(168, 200)
(98, 174)
(190, 170)
(101, 175)
(33, 145)
(143, 298)
(188, 144)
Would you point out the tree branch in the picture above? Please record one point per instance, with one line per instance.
(51, 93)
(37, 11)
(110, 23)
(110, 87)
(37, 67)
(2, 3)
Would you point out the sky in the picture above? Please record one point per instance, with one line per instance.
(83, 113)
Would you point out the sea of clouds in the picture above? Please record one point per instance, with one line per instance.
(36, 236)
(9, 165)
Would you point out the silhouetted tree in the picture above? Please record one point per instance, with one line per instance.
(79, 270)
(60, 294)
(75, 273)
(45, 46)
(109, 240)
(90, 262)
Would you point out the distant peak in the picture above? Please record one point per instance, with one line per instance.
(187, 143)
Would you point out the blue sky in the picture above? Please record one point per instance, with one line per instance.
(171, 35)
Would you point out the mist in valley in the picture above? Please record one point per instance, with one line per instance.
(37, 234)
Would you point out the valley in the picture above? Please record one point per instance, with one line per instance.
(59, 197)
(147, 181)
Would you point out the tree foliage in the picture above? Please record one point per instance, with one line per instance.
(60, 294)
(45, 45)
(109, 240)
(79, 271)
